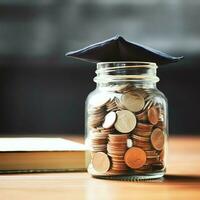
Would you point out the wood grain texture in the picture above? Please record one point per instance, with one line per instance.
(181, 182)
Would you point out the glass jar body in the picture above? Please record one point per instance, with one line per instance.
(126, 126)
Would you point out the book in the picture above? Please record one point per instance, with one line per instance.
(25, 154)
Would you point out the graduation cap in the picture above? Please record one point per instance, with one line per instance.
(119, 49)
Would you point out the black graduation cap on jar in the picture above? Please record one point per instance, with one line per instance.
(119, 49)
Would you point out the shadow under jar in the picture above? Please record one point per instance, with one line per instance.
(126, 122)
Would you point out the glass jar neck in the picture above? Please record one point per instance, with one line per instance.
(139, 74)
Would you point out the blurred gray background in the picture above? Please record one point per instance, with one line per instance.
(42, 91)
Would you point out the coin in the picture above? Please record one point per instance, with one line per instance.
(142, 116)
(148, 104)
(99, 100)
(145, 168)
(98, 140)
(100, 162)
(150, 161)
(124, 88)
(126, 121)
(133, 102)
(111, 105)
(108, 131)
(110, 119)
(141, 133)
(143, 130)
(120, 88)
(160, 125)
(151, 153)
(158, 166)
(143, 145)
(153, 157)
(144, 127)
(140, 138)
(135, 157)
(116, 148)
(129, 143)
(111, 172)
(157, 139)
(96, 116)
(118, 137)
(120, 106)
(153, 115)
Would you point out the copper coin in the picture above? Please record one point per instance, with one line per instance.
(119, 137)
(133, 102)
(150, 161)
(157, 139)
(151, 153)
(110, 119)
(142, 116)
(153, 157)
(141, 133)
(143, 127)
(140, 138)
(143, 145)
(135, 157)
(111, 105)
(158, 166)
(153, 115)
(144, 168)
(126, 121)
(145, 148)
(116, 149)
(160, 125)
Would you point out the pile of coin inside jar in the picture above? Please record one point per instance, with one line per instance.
(126, 132)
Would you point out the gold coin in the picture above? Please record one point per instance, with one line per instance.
(126, 121)
(157, 139)
(110, 119)
(100, 162)
(133, 102)
(135, 158)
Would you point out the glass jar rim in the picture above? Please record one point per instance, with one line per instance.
(127, 63)
(121, 71)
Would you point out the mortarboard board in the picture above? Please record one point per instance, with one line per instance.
(119, 49)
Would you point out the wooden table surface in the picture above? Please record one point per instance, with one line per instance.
(181, 182)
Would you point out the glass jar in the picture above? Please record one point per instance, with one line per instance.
(126, 122)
